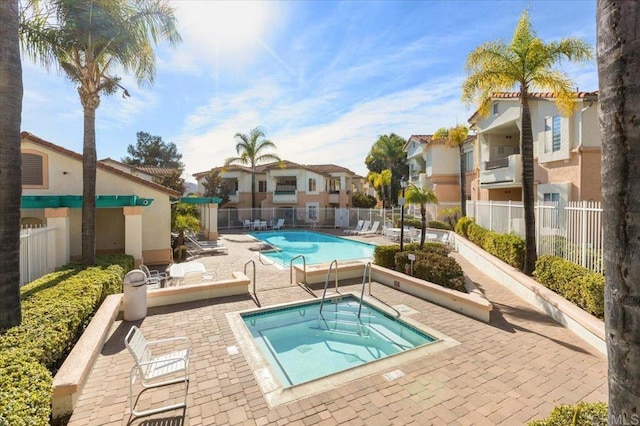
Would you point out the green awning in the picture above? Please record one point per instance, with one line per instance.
(201, 200)
(75, 201)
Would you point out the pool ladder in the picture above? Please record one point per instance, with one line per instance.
(326, 282)
(304, 265)
(344, 322)
(367, 267)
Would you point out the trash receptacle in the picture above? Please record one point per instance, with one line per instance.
(135, 295)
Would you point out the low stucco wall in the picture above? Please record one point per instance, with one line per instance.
(585, 325)
(472, 304)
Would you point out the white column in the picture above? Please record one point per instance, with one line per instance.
(133, 233)
(59, 247)
(212, 224)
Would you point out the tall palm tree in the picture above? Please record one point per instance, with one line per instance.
(388, 149)
(526, 63)
(90, 40)
(251, 151)
(10, 164)
(379, 181)
(619, 97)
(455, 137)
(421, 197)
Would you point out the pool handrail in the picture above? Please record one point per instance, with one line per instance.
(364, 280)
(304, 265)
(254, 273)
(326, 282)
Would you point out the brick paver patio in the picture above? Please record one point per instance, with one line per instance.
(510, 371)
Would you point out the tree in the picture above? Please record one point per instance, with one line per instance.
(379, 182)
(10, 164)
(214, 186)
(619, 99)
(525, 63)
(455, 137)
(421, 197)
(151, 150)
(251, 151)
(90, 41)
(172, 179)
(362, 200)
(387, 153)
(185, 217)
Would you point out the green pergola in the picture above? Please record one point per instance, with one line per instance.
(200, 200)
(75, 201)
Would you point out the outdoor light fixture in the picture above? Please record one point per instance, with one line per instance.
(403, 185)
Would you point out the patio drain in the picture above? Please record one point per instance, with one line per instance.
(393, 375)
(232, 350)
(405, 310)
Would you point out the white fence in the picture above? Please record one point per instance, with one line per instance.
(573, 232)
(36, 253)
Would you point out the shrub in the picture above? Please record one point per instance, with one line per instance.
(433, 264)
(573, 282)
(385, 255)
(508, 247)
(438, 224)
(55, 310)
(463, 225)
(413, 223)
(476, 233)
(581, 414)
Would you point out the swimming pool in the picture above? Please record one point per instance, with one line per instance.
(302, 344)
(314, 246)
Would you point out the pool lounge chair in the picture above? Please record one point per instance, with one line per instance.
(279, 224)
(198, 248)
(358, 228)
(373, 230)
(365, 228)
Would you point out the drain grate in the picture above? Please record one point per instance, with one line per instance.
(393, 375)
(405, 310)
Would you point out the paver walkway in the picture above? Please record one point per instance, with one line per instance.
(514, 369)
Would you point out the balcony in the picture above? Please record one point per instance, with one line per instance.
(285, 194)
(501, 172)
(334, 197)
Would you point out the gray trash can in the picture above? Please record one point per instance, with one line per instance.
(135, 295)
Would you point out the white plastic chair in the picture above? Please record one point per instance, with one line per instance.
(151, 367)
(279, 224)
(358, 228)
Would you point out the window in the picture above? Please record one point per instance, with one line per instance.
(262, 186)
(468, 161)
(555, 134)
(312, 185)
(334, 186)
(34, 170)
(551, 197)
(494, 108)
(313, 212)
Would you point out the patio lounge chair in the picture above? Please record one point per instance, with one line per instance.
(373, 230)
(358, 228)
(246, 224)
(151, 367)
(198, 248)
(279, 224)
(365, 228)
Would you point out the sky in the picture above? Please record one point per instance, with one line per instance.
(323, 79)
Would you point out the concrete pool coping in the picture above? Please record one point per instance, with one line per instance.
(276, 394)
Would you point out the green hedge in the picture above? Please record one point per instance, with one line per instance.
(463, 225)
(438, 224)
(409, 222)
(573, 282)
(55, 310)
(509, 248)
(581, 414)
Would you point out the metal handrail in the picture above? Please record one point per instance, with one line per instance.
(304, 265)
(254, 273)
(326, 282)
(364, 280)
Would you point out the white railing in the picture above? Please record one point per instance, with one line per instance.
(573, 232)
(36, 253)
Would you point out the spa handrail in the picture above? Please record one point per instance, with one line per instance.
(326, 282)
(364, 280)
(304, 265)
(254, 273)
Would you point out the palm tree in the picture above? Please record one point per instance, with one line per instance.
(421, 197)
(89, 40)
(455, 137)
(525, 63)
(250, 149)
(10, 164)
(388, 150)
(619, 97)
(379, 181)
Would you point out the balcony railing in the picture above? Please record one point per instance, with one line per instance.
(503, 170)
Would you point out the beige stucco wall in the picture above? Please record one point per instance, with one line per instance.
(65, 178)
(591, 183)
(444, 160)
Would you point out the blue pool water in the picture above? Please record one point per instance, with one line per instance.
(302, 344)
(314, 246)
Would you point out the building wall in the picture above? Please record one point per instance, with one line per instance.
(591, 179)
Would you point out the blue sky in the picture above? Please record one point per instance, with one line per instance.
(322, 78)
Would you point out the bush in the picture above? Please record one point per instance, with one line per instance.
(573, 282)
(433, 264)
(55, 310)
(438, 224)
(362, 200)
(509, 248)
(463, 225)
(385, 255)
(476, 234)
(581, 414)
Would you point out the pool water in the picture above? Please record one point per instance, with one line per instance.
(301, 344)
(314, 246)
